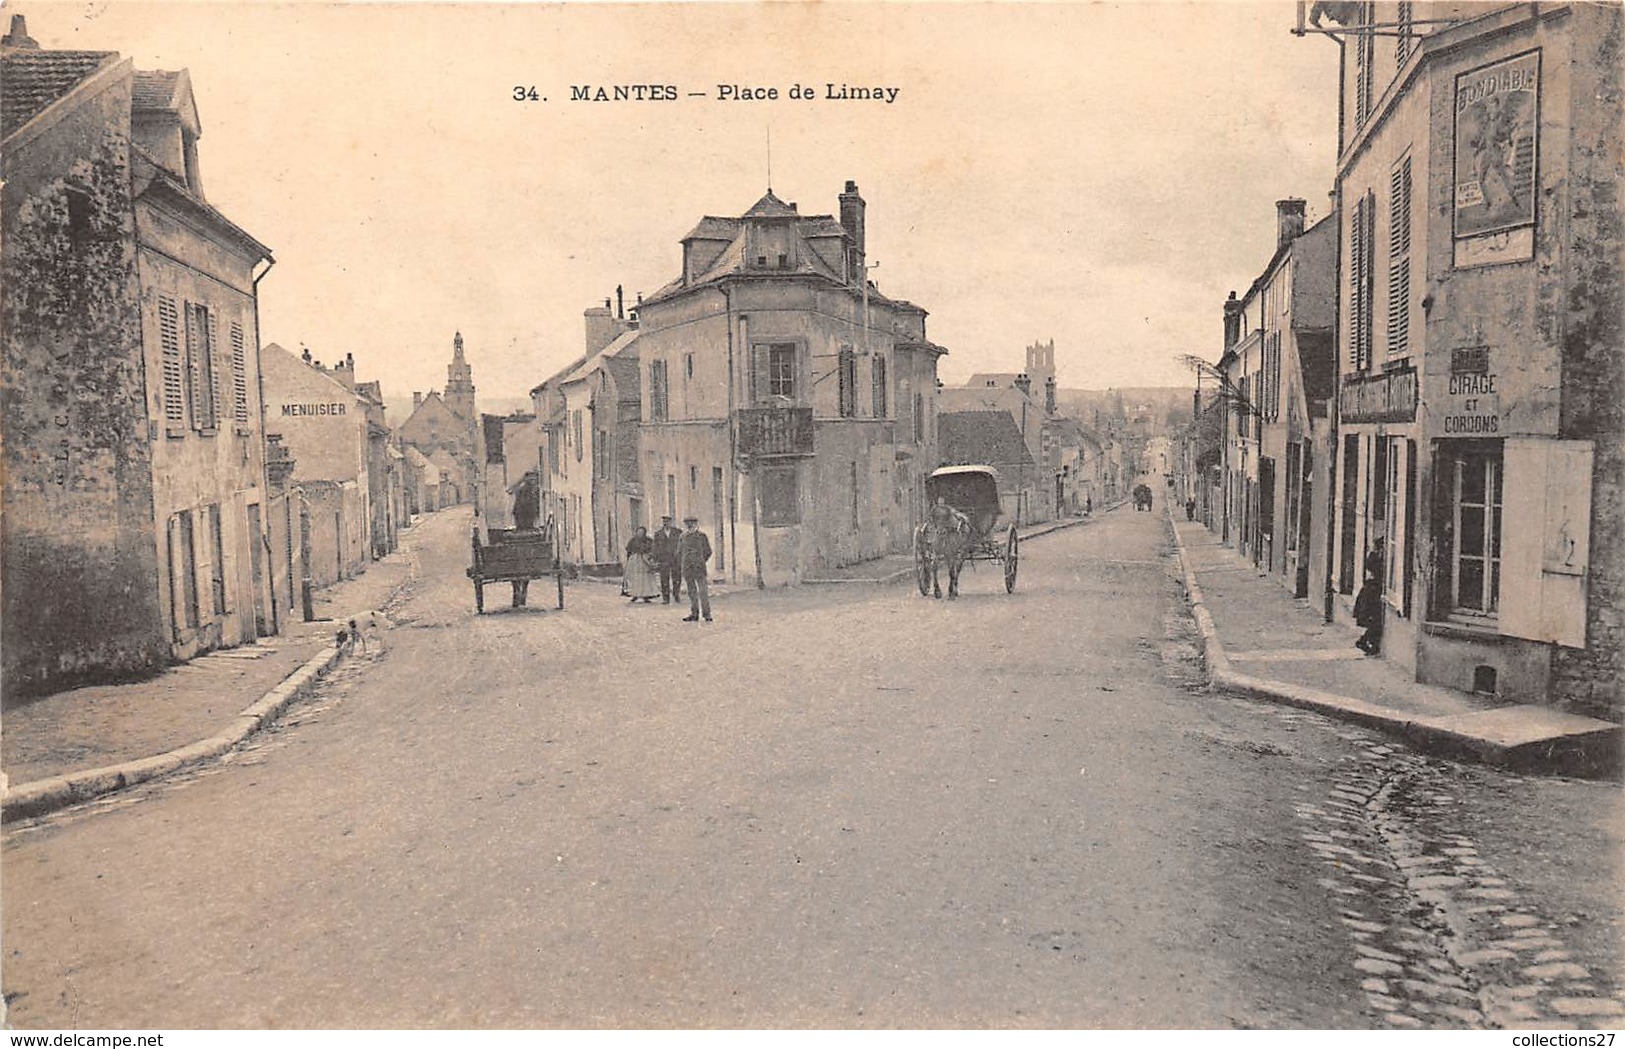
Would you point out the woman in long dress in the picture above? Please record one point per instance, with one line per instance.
(642, 580)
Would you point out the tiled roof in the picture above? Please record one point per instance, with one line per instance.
(822, 226)
(980, 437)
(30, 80)
(771, 207)
(713, 228)
(590, 363)
(154, 89)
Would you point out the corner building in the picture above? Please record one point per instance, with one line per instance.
(1479, 344)
(786, 402)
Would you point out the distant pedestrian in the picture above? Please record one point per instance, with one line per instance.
(694, 553)
(1190, 509)
(527, 502)
(666, 562)
(1088, 504)
(642, 578)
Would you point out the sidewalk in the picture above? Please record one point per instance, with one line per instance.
(63, 748)
(1261, 641)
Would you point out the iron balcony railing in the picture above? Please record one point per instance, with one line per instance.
(766, 432)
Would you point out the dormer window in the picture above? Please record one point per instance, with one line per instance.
(784, 261)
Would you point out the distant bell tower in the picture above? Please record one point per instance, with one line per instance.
(459, 395)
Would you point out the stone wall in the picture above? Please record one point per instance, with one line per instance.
(80, 583)
(1588, 681)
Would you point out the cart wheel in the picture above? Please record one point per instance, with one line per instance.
(479, 599)
(922, 563)
(1011, 556)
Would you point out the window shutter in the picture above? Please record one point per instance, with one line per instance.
(212, 351)
(1399, 260)
(759, 386)
(1410, 524)
(1356, 224)
(174, 367)
(847, 366)
(239, 375)
(1545, 539)
(194, 354)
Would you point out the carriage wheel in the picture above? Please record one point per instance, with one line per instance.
(1011, 556)
(922, 563)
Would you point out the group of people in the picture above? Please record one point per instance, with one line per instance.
(666, 562)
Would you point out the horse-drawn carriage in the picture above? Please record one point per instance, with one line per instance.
(516, 556)
(963, 524)
(1142, 497)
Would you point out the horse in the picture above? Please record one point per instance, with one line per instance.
(945, 540)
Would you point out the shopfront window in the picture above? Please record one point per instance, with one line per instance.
(1475, 569)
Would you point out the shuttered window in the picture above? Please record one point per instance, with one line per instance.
(878, 382)
(1364, 61)
(1362, 234)
(174, 362)
(1407, 32)
(1399, 261)
(202, 374)
(847, 377)
(658, 398)
(239, 375)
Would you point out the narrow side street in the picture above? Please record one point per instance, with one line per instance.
(833, 807)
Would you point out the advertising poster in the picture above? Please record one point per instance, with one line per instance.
(1496, 111)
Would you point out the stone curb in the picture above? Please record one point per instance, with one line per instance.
(1423, 733)
(58, 792)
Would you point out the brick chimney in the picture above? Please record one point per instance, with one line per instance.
(1232, 321)
(852, 209)
(1288, 221)
(417, 399)
(1024, 383)
(1049, 394)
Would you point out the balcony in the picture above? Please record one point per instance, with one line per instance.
(770, 432)
(1388, 397)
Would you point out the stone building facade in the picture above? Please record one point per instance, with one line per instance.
(1277, 380)
(786, 402)
(324, 424)
(1480, 343)
(134, 477)
(448, 422)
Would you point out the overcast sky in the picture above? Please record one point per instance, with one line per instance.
(1098, 174)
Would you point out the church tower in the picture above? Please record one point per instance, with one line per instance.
(459, 394)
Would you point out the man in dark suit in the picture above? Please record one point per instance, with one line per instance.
(694, 552)
(665, 558)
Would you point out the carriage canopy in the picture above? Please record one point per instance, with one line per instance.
(972, 490)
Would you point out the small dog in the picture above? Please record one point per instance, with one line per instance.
(352, 637)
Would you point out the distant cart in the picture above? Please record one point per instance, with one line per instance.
(511, 555)
(972, 491)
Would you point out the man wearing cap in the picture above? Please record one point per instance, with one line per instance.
(694, 552)
(665, 558)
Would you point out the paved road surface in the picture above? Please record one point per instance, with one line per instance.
(834, 807)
